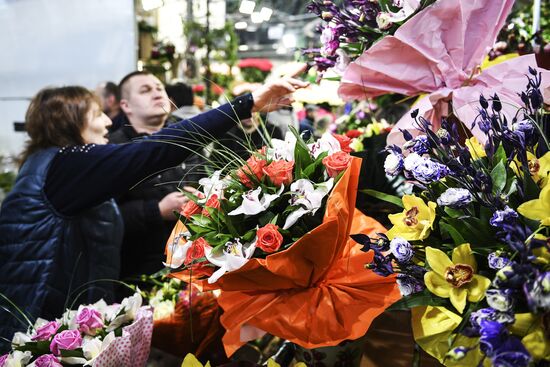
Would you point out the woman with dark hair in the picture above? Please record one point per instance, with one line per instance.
(60, 229)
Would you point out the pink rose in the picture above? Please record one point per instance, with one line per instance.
(89, 321)
(45, 332)
(66, 340)
(47, 360)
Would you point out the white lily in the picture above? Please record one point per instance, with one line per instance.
(233, 257)
(252, 204)
(282, 149)
(327, 143)
(213, 185)
(178, 254)
(18, 359)
(408, 7)
(20, 338)
(308, 197)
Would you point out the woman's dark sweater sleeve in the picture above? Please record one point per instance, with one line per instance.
(81, 177)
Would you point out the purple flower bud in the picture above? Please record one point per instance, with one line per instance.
(455, 198)
(501, 217)
(496, 261)
(537, 293)
(500, 299)
(483, 102)
(444, 136)
(408, 285)
(497, 106)
(401, 249)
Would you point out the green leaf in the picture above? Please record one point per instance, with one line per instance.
(453, 213)
(36, 348)
(424, 298)
(500, 155)
(452, 232)
(385, 197)
(72, 353)
(498, 175)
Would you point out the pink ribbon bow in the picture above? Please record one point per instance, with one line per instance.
(439, 51)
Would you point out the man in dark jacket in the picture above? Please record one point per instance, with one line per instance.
(147, 209)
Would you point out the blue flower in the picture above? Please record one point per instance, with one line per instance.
(393, 165)
(420, 145)
(500, 299)
(455, 198)
(502, 217)
(381, 265)
(512, 353)
(408, 285)
(493, 336)
(425, 170)
(401, 249)
(497, 261)
(489, 314)
(537, 293)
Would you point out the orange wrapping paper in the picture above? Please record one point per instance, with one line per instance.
(315, 293)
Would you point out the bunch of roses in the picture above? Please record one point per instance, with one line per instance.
(473, 239)
(259, 207)
(77, 338)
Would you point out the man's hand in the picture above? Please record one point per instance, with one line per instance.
(173, 202)
(276, 94)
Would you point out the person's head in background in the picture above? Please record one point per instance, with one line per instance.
(311, 112)
(144, 101)
(110, 98)
(60, 117)
(322, 124)
(180, 94)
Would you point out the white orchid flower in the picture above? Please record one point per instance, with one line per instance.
(252, 204)
(127, 311)
(233, 257)
(308, 197)
(213, 185)
(408, 7)
(18, 359)
(282, 149)
(178, 254)
(327, 143)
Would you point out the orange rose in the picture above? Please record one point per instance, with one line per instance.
(189, 209)
(280, 172)
(269, 238)
(344, 142)
(253, 167)
(336, 163)
(196, 251)
(212, 202)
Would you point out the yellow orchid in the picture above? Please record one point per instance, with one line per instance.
(538, 209)
(530, 328)
(456, 279)
(476, 149)
(416, 220)
(539, 168)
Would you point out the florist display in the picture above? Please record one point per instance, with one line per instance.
(273, 234)
(98, 335)
(442, 64)
(471, 247)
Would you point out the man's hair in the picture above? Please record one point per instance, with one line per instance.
(111, 89)
(180, 93)
(122, 86)
(56, 118)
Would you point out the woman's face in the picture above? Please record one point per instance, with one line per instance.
(95, 131)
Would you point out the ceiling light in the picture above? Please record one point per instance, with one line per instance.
(149, 5)
(266, 13)
(241, 25)
(256, 17)
(289, 40)
(243, 48)
(247, 6)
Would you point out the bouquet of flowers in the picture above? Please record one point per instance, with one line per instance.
(471, 247)
(94, 335)
(354, 26)
(272, 234)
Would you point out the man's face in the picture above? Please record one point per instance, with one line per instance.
(145, 98)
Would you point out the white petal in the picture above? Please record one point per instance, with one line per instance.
(294, 216)
(178, 255)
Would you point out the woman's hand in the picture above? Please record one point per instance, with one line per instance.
(276, 94)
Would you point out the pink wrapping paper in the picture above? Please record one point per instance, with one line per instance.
(132, 348)
(438, 52)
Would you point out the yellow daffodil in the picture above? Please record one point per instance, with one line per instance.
(456, 279)
(476, 149)
(538, 209)
(416, 220)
